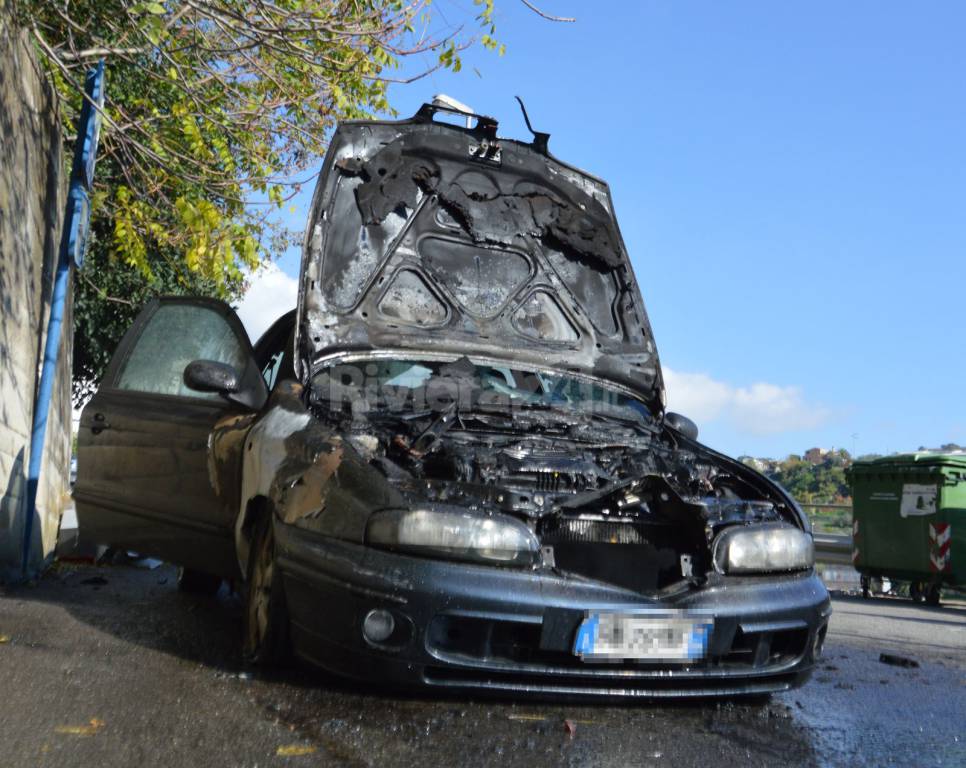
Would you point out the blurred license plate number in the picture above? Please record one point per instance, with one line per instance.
(663, 637)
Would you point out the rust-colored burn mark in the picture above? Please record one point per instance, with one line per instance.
(306, 497)
(226, 443)
(289, 388)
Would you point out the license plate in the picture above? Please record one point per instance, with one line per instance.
(651, 636)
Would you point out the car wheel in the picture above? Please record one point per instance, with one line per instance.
(266, 617)
(197, 582)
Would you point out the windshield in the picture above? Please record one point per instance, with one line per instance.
(418, 386)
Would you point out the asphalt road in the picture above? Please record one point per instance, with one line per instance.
(112, 666)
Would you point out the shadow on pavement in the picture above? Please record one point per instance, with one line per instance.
(143, 606)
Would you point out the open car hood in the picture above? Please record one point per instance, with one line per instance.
(432, 237)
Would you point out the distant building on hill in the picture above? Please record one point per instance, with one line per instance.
(816, 455)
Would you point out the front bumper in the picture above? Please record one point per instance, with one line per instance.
(462, 626)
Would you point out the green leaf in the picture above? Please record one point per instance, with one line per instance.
(206, 116)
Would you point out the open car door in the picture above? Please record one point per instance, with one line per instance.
(143, 477)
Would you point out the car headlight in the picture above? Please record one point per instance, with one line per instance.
(456, 534)
(763, 549)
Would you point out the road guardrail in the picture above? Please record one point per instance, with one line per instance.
(835, 545)
(833, 548)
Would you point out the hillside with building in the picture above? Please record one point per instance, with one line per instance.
(815, 476)
(818, 476)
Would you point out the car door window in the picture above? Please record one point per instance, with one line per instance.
(175, 335)
(273, 352)
(270, 371)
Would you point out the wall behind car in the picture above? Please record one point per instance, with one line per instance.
(32, 196)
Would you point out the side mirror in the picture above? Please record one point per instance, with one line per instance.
(682, 424)
(209, 376)
(246, 388)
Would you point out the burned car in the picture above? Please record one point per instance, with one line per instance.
(451, 465)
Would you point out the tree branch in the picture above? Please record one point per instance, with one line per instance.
(547, 16)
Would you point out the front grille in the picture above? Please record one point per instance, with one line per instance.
(634, 553)
(483, 638)
(518, 643)
(573, 530)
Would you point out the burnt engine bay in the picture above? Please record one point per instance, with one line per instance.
(627, 503)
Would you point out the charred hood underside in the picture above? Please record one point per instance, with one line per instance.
(428, 236)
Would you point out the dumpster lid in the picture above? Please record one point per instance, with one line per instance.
(918, 459)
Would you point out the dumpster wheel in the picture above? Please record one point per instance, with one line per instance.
(924, 592)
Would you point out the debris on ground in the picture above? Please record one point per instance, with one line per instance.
(898, 661)
(127, 557)
(535, 718)
(295, 750)
(244, 676)
(570, 727)
(81, 730)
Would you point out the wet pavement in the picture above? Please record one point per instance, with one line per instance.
(112, 666)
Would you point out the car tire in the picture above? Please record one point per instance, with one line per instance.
(933, 594)
(266, 626)
(197, 582)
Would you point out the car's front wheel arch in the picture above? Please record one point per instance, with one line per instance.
(266, 625)
(256, 510)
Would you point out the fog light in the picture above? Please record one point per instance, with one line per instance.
(378, 626)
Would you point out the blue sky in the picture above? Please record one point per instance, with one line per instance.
(790, 182)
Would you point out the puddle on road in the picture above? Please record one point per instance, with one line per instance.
(861, 712)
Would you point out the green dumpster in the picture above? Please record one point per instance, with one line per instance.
(909, 521)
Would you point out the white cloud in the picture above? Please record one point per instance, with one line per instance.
(757, 409)
(271, 293)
